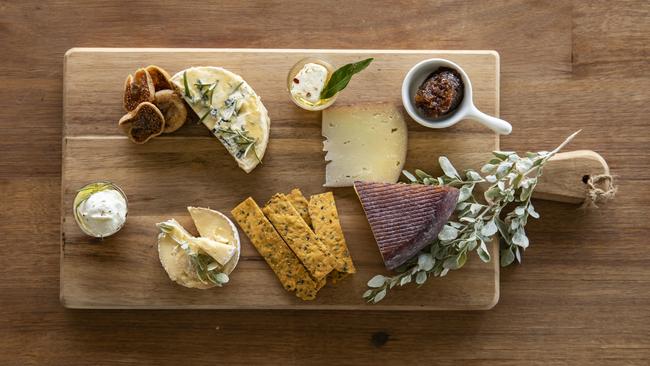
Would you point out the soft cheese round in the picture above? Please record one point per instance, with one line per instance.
(175, 260)
(233, 109)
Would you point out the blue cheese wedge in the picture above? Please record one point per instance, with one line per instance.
(230, 109)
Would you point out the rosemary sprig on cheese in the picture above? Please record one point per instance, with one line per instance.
(512, 179)
(240, 137)
(230, 109)
(206, 268)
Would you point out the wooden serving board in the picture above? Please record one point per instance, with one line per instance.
(190, 167)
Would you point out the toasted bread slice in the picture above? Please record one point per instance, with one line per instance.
(173, 109)
(143, 123)
(137, 89)
(160, 78)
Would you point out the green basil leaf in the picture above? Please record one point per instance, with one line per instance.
(341, 77)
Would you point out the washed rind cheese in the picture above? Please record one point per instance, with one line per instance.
(325, 220)
(233, 110)
(404, 218)
(287, 267)
(299, 237)
(365, 142)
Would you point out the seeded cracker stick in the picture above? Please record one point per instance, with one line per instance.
(300, 203)
(325, 219)
(291, 273)
(298, 236)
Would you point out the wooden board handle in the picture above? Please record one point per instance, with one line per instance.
(565, 176)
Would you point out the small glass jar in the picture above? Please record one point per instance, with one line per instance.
(303, 103)
(84, 194)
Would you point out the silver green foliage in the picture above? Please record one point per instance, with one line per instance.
(511, 180)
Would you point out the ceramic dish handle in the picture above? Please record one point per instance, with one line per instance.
(495, 124)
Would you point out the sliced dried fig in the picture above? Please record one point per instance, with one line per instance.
(160, 77)
(172, 107)
(142, 123)
(137, 89)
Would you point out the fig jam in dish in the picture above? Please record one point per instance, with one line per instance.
(440, 94)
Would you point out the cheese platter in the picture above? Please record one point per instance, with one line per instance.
(266, 179)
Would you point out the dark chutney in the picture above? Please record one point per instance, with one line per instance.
(440, 93)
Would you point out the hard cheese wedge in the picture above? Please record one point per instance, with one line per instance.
(365, 143)
(287, 267)
(404, 218)
(230, 109)
(216, 226)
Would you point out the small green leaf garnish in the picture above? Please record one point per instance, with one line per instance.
(187, 87)
(341, 77)
(207, 270)
(203, 117)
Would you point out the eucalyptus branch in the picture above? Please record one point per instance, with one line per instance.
(512, 179)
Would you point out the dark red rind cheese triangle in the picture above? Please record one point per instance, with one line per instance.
(405, 218)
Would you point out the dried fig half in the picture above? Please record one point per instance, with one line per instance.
(173, 109)
(160, 77)
(142, 123)
(137, 89)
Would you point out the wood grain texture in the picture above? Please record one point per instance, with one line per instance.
(580, 298)
(191, 168)
(565, 176)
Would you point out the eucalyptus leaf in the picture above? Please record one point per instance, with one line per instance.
(474, 208)
(425, 261)
(379, 296)
(519, 211)
(483, 253)
(448, 233)
(420, 278)
(410, 176)
(488, 168)
(523, 165)
(520, 238)
(503, 168)
(465, 192)
(506, 257)
(405, 280)
(447, 168)
(489, 229)
(422, 174)
(367, 294)
(503, 155)
(512, 180)
(473, 176)
(377, 281)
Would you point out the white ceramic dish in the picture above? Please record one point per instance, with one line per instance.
(466, 110)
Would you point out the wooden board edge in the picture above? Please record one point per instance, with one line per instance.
(70, 52)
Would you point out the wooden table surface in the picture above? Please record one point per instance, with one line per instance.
(581, 297)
